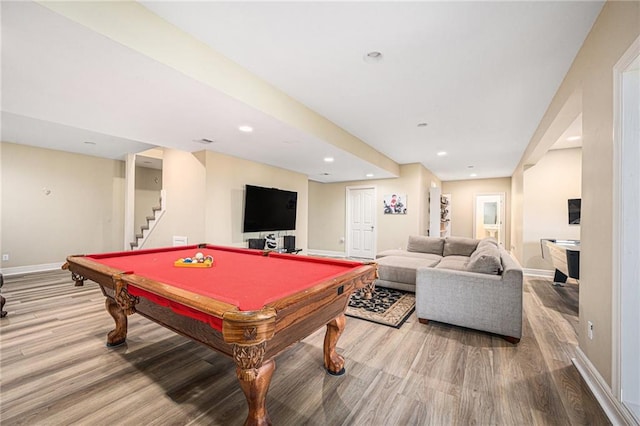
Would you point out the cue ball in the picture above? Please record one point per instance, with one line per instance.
(199, 256)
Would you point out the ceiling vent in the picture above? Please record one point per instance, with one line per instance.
(204, 141)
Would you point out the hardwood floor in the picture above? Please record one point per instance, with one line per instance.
(55, 369)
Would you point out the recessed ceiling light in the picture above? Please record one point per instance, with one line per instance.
(328, 159)
(441, 153)
(574, 138)
(473, 174)
(373, 56)
(422, 124)
(89, 143)
(245, 128)
(369, 175)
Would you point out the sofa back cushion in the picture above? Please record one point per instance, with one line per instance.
(422, 244)
(488, 241)
(485, 260)
(459, 246)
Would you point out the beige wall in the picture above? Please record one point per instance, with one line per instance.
(327, 210)
(148, 186)
(1, 203)
(183, 179)
(226, 180)
(462, 202)
(83, 213)
(547, 187)
(589, 84)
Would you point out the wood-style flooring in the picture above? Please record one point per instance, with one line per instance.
(56, 370)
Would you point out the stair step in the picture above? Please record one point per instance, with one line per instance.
(133, 245)
(156, 209)
(138, 236)
(144, 227)
(149, 218)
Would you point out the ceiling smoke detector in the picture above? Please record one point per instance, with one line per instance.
(373, 57)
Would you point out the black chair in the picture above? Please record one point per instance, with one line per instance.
(3, 313)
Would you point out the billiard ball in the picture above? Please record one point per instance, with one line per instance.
(199, 256)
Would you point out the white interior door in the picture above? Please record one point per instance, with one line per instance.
(361, 226)
(488, 217)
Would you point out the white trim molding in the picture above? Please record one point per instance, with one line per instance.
(537, 273)
(615, 411)
(29, 269)
(618, 268)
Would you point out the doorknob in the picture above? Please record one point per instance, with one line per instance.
(372, 227)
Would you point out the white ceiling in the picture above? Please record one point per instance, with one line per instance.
(481, 74)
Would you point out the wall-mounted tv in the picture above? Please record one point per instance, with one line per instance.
(574, 211)
(269, 209)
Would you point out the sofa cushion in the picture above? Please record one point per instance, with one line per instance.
(460, 246)
(486, 260)
(400, 252)
(487, 241)
(457, 263)
(401, 269)
(422, 244)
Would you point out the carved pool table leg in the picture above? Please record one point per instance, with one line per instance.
(333, 362)
(254, 383)
(118, 335)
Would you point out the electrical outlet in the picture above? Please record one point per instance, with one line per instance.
(5, 257)
(590, 330)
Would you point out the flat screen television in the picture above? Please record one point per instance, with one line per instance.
(574, 211)
(269, 209)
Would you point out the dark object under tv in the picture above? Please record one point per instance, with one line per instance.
(269, 209)
(574, 211)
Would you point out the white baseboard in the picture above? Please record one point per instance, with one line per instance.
(537, 272)
(326, 253)
(20, 270)
(615, 411)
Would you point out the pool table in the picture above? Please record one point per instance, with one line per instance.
(249, 305)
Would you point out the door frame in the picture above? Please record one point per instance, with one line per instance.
(503, 238)
(617, 301)
(347, 226)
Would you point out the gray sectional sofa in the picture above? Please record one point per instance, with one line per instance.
(460, 281)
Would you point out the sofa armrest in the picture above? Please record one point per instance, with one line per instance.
(485, 302)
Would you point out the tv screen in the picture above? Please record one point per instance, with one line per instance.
(574, 211)
(269, 209)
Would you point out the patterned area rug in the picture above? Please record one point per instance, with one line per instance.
(387, 306)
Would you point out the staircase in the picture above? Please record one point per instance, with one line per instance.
(152, 221)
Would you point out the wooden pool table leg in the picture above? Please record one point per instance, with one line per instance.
(255, 382)
(333, 362)
(118, 335)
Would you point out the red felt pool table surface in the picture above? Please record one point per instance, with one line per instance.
(249, 305)
(245, 278)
